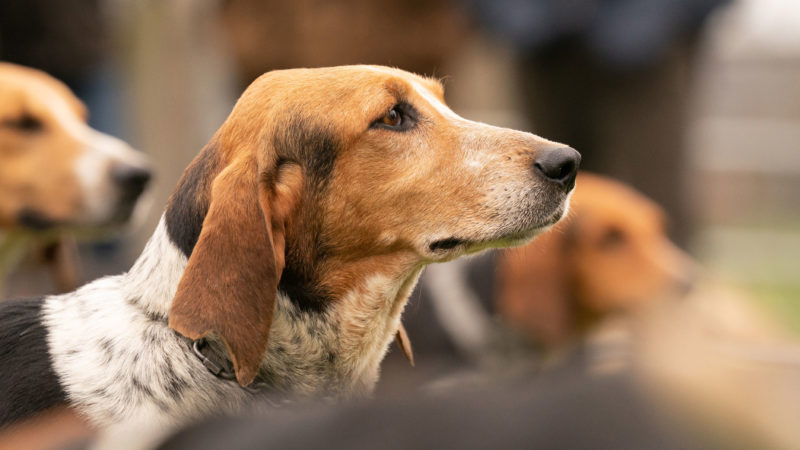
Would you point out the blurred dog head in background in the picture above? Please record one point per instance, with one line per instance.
(611, 255)
(57, 173)
(54, 169)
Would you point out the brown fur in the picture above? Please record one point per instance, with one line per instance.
(241, 272)
(611, 255)
(404, 343)
(58, 427)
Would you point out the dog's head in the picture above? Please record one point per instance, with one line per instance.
(611, 255)
(322, 175)
(54, 169)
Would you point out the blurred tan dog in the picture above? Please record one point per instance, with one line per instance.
(55, 171)
(607, 282)
(611, 255)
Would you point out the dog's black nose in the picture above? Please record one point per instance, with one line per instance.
(131, 179)
(559, 165)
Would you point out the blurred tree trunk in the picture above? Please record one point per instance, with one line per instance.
(180, 86)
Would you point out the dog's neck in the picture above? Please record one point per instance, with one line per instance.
(153, 280)
(336, 350)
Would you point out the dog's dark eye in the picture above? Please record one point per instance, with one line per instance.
(25, 123)
(612, 238)
(393, 118)
(401, 117)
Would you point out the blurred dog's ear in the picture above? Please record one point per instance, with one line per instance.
(532, 289)
(231, 279)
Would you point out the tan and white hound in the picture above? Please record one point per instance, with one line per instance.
(287, 253)
(55, 171)
(612, 256)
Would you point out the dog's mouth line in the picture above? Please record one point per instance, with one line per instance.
(454, 243)
(442, 246)
(446, 244)
(36, 221)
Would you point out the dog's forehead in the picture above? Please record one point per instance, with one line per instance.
(24, 81)
(341, 101)
(343, 84)
(423, 85)
(33, 91)
(13, 93)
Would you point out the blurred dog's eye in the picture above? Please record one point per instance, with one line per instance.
(25, 123)
(612, 238)
(393, 119)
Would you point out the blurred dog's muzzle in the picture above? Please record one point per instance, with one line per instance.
(130, 182)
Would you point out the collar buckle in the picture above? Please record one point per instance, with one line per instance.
(218, 370)
(221, 370)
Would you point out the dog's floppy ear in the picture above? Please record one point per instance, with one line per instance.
(231, 280)
(533, 293)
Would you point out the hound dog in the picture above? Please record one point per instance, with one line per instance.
(55, 171)
(612, 257)
(287, 252)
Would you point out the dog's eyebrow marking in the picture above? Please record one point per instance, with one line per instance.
(64, 115)
(426, 94)
(61, 111)
(437, 104)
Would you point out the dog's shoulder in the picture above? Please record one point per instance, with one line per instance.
(28, 383)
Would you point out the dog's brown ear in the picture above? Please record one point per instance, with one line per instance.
(533, 289)
(231, 280)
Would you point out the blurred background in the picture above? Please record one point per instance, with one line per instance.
(695, 103)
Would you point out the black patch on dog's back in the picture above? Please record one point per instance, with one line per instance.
(28, 383)
(189, 203)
